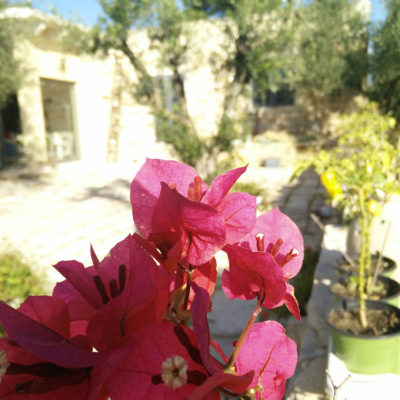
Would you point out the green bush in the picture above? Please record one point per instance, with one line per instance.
(185, 142)
(303, 281)
(252, 188)
(227, 133)
(17, 280)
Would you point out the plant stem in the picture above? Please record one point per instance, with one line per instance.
(361, 272)
(368, 273)
(243, 335)
(187, 291)
(378, 266)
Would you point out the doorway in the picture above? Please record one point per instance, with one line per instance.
(10, 132)
(59, 116)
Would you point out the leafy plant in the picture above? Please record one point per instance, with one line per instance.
(252, 188)
(17, 280)
(227, 132)
(360, 175)
(184, 141)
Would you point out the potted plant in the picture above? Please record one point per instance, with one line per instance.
(360, 175)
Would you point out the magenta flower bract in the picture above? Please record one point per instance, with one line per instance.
(44, 360)
(126, 292)
(146, 188)
(164, 364)
(181, 223)
(238, 209)
(173, 362)
(253, 274)
(198, 228)
(277, 238)
(281, 238)
(271, 355)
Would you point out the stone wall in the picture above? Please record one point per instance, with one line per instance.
(306, 116)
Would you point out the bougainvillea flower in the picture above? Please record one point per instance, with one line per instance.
(164, 364)
(40, 358)
(126, 290)
(253, 274)
(235, 210)
(238, 209)
(204, 276)
(236, 384)
(278, 236)
(199, 229)
(146, 188)
(281, 238)
(271, 355)
(169, 362)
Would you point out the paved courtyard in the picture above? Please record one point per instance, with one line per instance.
(57, 215)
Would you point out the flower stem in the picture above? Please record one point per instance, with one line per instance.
(243, 335)
(187, 291)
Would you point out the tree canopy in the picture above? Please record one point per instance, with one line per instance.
(9, 77)
(386, 60)
(330, 47)
(319, 46)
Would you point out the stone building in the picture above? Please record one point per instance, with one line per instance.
(73, 106)
(79, 106)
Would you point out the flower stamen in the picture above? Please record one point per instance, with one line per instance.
(275, 248)
(289, 256)
(195, 191)
(260, 241)
(101, 289)
(121, 277)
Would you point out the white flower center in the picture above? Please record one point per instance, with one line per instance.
(174, 371)
(3, 363)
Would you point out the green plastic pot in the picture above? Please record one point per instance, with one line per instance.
(368, 354)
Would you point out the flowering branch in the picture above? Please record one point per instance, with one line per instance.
(118, 328)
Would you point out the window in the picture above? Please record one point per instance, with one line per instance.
(282, 97)
(167, 91)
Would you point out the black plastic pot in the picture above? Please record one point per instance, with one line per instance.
(388, 267)
(392, 286)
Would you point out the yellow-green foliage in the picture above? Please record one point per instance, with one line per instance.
(364, 162)
(17, 280)
(360, 174)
